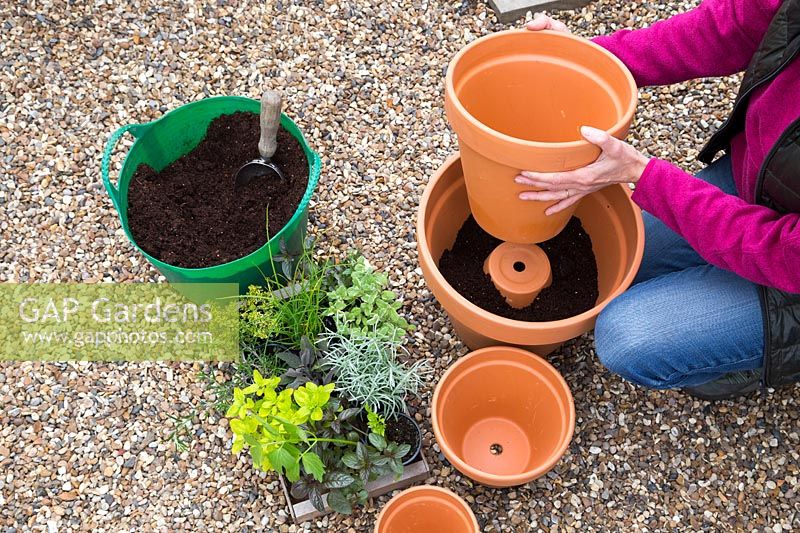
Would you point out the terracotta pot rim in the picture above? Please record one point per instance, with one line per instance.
(621, 123)
(442, 492)
(426, 260)
(507, 480)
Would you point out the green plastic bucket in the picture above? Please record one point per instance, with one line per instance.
(161, 142)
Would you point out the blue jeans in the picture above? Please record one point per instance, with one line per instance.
(683, 322)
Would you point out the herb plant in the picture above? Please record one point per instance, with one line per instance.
(357, 467)
(275, 320)
(258, 318)
(392, 452)
(375, 422)
(303, 365)
(302, 420)
(181, 433)
(282, 315)
(361, 305)
(254, 355)
(306, 435)
(284, 311)
(279, 427)
(367, 371)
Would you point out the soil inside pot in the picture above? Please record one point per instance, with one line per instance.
(572, 262)
(189, 215)
(403, 431)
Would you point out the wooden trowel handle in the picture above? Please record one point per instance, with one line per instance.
(270, 120)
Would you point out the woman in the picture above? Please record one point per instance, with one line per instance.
(715, 307)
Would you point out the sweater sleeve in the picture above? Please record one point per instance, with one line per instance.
(752, 241)
(717, 38)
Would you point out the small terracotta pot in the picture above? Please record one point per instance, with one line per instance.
(503, 416)
(426, 508)
(519, 272)
(609, 216)
(517, 100)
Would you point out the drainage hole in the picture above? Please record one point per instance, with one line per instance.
(496, 449)
(519, 266)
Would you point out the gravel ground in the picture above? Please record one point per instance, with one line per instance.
(82, 446)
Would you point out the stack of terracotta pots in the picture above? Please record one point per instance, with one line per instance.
(503, 415)
(517, 100)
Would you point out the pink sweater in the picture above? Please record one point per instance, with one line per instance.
(716, 39)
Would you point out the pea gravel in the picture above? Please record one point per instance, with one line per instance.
(85, 446)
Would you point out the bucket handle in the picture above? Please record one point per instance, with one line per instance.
(137, 130)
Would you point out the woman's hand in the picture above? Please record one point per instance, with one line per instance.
(543, 22)
(619, 162)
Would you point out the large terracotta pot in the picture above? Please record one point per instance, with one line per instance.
(517, 100)
(612, 220)
(503, 416)
(426, 508)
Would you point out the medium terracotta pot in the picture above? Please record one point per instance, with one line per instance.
(609, 216)
(517, 100)
(503, 416)
(426, 508)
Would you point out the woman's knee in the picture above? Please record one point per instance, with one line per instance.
(625, 349)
